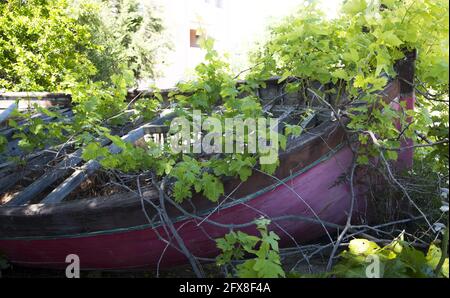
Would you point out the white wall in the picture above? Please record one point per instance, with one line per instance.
(236, 27)
(179, 16)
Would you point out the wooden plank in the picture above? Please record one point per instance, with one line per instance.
(38, 186)
(46, 180)
(7, 113)
(26, 100)
(29, 104)
(13, 148)
(36, 95)
(10, 180)
(9, 131)
(77, 177)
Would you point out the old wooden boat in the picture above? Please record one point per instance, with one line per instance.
(307, 197)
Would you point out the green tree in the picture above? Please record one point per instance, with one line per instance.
(54, 45)
(42, 47)
(129, 33)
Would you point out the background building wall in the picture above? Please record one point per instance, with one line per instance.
(236, 26)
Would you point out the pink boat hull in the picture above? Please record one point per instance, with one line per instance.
(316, 189)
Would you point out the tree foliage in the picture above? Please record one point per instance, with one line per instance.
(130, 35)
(56, 45)
(42, 47)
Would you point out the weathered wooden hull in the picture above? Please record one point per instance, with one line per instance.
(314, 188)
(114, 232)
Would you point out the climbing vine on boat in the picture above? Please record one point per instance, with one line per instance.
(357, 52)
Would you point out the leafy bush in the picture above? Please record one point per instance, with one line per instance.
(56, 45)
(397, 259)
(129, 34)
(42, 47)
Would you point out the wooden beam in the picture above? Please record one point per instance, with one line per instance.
(10, 180)
(28, 99)
(7, 113)
(46, 180)
(8, 131)
(77, 177)
(35, 95)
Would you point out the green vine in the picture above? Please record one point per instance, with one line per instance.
(357, 52)
(263, 252)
